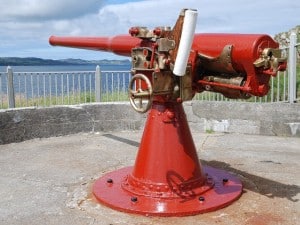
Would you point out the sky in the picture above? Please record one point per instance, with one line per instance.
(26, 25)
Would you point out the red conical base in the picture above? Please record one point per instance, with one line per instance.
(167, 178)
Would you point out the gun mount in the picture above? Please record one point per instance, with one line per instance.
(168, 67)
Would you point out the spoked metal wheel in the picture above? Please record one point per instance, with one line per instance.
(140, 93)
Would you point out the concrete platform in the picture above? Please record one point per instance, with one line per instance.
(48, 181)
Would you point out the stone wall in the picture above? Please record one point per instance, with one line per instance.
(21, 124)
(280, 119)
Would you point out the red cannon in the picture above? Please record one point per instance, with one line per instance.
(168, 67)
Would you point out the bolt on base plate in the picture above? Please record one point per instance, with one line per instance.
(109, 191)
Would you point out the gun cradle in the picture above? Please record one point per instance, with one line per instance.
(155, 58)
(157, 67)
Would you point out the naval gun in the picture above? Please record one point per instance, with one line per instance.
(169, 66)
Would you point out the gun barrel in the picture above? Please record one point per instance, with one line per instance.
(120, 45)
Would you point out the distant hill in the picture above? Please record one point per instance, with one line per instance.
(31, 61)
(283, 38)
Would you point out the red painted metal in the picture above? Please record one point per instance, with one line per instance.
(245, 48)
(167, 178)
(120, 45)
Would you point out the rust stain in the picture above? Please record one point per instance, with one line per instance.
(90, 195)
(264, 219)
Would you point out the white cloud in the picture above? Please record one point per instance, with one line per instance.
(248, 16)
(31, 22)
(44, 9)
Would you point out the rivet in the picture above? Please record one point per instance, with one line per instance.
(201, 199)
(225, 180)
(134, 199)
(170, 115)
(110, 181)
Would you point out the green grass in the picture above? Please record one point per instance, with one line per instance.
(72, 99)
(209, 131)
(114, 97)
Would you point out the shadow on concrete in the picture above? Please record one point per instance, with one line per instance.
(123, 140)
(261, 185)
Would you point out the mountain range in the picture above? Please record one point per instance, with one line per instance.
(31, 61)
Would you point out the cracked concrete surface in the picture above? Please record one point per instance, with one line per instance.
(48, 181)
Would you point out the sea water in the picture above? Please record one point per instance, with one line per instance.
(37, 84)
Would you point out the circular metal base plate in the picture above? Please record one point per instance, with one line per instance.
(108, 191)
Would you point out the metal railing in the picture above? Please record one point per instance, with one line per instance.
(292, 67)
(24, 89)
